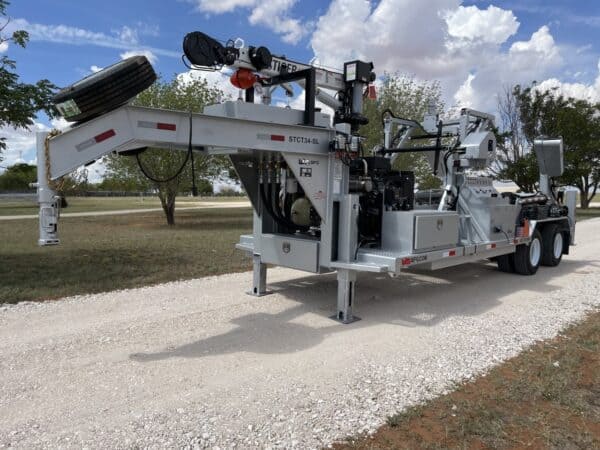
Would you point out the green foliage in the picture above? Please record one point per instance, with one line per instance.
(17, 178)
(121, 183)
(76, 183)
(19, 102)
(410, 99)
(162, 164)
(577, 122)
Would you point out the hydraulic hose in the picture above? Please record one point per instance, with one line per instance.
(266, 198)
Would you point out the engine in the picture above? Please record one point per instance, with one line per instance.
(381, 189)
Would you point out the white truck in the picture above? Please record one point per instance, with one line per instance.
(322, 202)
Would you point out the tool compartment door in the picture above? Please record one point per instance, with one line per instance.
(286, 251)
(433, 231)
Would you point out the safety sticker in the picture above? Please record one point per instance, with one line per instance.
(68, 108)
(306, 172)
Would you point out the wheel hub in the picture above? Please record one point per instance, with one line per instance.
(558, 245)
(535, 252)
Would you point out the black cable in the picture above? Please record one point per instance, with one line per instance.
(179, 171)
(191, 153)
(281, 221)
(275, 198)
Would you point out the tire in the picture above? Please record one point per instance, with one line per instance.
(506, 263)
(105, 90)
(552, 245)
(528, 257)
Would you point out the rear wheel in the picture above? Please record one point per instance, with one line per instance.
(553, 242)
(506, 263)
(527, 257)
(105, 90)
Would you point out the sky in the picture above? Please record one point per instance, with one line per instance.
(473, 48)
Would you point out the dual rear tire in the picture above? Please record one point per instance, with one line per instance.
(546, 248)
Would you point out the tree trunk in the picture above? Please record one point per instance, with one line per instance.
(584, 189)
(167, 201)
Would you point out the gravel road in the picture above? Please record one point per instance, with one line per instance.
(199, 364)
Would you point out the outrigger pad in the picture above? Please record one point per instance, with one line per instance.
(202, 50)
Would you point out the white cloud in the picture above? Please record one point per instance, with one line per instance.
(395, 34)
(128, 34)
(465, 95)
(273, 14)
(492, 25)
(20, 143)
(541, 46)
(3, 46)
(582, 91)
(147, 53)
(125, 38)
(223, 6)
(95, 68)
(437, 40)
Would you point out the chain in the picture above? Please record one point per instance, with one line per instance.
(59, 184)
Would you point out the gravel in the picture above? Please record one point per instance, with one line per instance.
(197, 364)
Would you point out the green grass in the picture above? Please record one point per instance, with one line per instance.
(114, 252)
(92, 204)
(589, 213)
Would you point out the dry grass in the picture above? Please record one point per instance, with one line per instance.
(589, 213)
(114, 252)
(548, 397)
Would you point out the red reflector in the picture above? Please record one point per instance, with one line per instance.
(166, 126)
(243, 79)
(493, 245)
(372, 92)
(452, 253)
(277, 137)
(405, 261)
(104, 136)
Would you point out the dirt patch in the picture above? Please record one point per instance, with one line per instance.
(547, 397)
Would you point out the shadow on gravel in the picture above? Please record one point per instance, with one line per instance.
(414, 299)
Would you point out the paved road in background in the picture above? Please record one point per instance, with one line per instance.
(206, 205)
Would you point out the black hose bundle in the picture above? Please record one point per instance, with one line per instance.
(268, 202)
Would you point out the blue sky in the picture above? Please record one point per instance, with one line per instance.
(472, 47)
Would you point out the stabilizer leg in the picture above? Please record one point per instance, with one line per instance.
(345, 296)
(259, 278)
(48, 199)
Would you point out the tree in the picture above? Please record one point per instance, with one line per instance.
(76, 183)
(162, 164)
(120, 182)
(514, 160)
(410, 99)
(577, 121)
(19, 102)
(18, 177)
